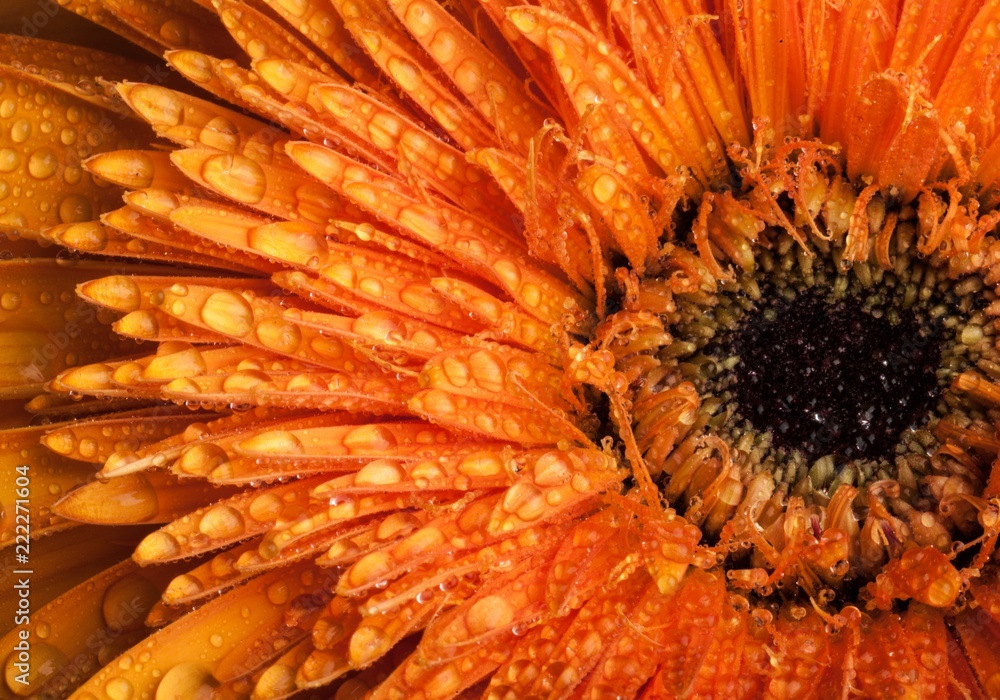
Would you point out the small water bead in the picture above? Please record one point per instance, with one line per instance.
(75, 208)
(526, 501)
(119, 689)
(20, 130)
(10, 301)
(87, 448)
(236, 176)
(185, 586)
(370, 438)
(371, 286)
(222, 522)
(512, 427)
(175, 33)
(72, 175)
(485, 422)
(279, 335)
(10, 160)
(229, 313)
(278, 593)
(369, 642)
(380, 473)
(158, 546)
(186, 680)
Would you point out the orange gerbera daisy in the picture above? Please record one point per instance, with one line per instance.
(407, 349)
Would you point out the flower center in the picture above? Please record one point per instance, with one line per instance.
(831, 377)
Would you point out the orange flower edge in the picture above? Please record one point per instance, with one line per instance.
(425, 399)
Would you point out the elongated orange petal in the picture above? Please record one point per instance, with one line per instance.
(217, 637)
(189, 121)
(324, 28)
(174, 25)
(464, 238)
(401, 138)
(486, 83)
(920, 43)
(96, 440)
(35, 480)
(136, 498)
(862, 46)
(46, 162)
(41, 322)
(99, 618)
(399, 57)
(769, 45)
(228, 521)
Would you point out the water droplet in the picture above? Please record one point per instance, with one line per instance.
(278, 593)
(10, 301)
(228, 313)
(20, 131)
(118, 689)
(10, 160)
(43, 164)
(222, 522)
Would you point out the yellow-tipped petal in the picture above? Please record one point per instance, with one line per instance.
(223, 523)
(41, 321)
(136, 498)
(137, 170)
(96, 440)
(73, 635)
(234, 621)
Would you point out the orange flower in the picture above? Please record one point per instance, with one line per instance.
(577, 349)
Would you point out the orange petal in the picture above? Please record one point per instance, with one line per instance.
(223, 523)
(209, 578)
(861, 47)
(138, 169)
(400, 59)
(770, 48)
(496, 373)
(485, 82)
(509, 323)
(189, 121)
(442, 166)
(324, 28)
(35, 479)
(261, 37)
(41, 321)
(97, 439)
(922, 46)
(393, 282)
(72, 637)
(179, 24)
(152, 497)
(217, 638)
(905, 654)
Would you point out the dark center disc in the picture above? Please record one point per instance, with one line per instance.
(831, 378)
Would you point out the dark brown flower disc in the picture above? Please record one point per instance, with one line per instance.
(832, 378)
